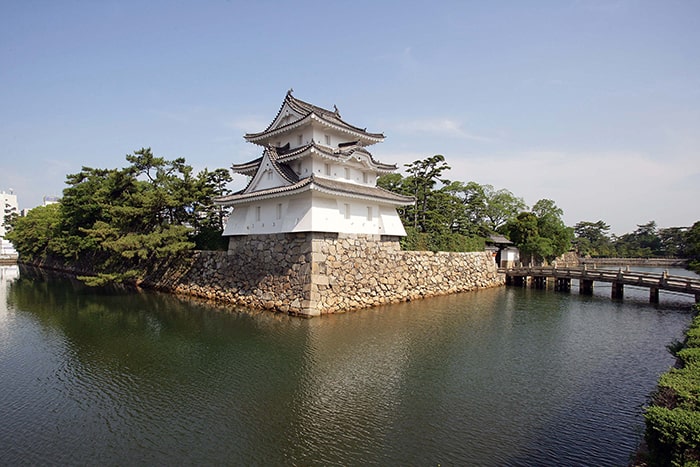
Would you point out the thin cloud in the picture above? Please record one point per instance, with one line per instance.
(407, 60)
(403, 59)
(441, 127)
(181, 116)
(248, 124)
(613, 186)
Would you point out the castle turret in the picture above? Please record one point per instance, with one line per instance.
(315, 175)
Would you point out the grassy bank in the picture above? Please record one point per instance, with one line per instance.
(673, 418)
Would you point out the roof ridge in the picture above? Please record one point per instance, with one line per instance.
(311, 107)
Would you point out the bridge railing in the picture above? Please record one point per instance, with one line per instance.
(643, 279)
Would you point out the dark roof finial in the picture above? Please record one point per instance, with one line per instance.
(291, 90)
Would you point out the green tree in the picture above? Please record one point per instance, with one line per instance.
(473, 201)
(591, 239)
(32, 234)
(643, 242)
(437, 221)
(541, 235)
(501, 205)
(119, 220)
(672, 241)
(691, 248)
(423, 175)
(208, 219)
(523, 232)
(551, 227)
(485, 208)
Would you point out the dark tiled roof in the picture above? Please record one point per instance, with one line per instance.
(498, 239)
(362, 191)
(282, 169)
(340, 154)
(247, 168)
(321, 184)
(331, 117)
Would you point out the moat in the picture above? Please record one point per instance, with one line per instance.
(503, 376)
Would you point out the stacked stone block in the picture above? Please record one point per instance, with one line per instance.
(315, 273)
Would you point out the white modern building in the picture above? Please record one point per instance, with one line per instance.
(8, 203)
(315, 175)
(51, 199)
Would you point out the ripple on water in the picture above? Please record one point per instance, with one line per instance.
(502, 377)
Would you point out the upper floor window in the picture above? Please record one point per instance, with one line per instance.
(300, 138)
(328, 170)
(347, 173)
(257, 213)
(328, 139)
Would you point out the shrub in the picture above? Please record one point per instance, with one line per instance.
(673, 421)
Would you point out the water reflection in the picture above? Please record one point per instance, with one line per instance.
(496, 377)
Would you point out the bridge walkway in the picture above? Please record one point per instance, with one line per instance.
(563, 275)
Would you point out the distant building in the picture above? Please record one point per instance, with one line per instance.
(51, 200)
(8, 203)
(9, 206)
(315, 175)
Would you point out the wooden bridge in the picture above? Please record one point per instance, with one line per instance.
(538, 277)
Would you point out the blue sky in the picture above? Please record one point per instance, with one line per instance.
(593, 104)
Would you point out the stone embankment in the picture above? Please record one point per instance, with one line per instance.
(310, 274)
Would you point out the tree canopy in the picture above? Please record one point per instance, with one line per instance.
(122, 218)
(540, 234)
(449, 215)
(647, 241)
(154, 208)
(459, 216)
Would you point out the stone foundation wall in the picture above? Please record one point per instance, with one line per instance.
(354, 272)
(259, 271)
(311, 274)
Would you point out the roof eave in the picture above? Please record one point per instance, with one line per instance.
(260, 138)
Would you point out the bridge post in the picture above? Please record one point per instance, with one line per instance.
(562, 284)
(519, 281)
(653, 295)
(539, 282)
(617, 290)
(585, 286)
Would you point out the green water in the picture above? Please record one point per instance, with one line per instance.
(497, 377)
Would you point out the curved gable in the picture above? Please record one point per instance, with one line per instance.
(270, 174)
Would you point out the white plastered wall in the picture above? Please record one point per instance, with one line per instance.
(314, 212)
